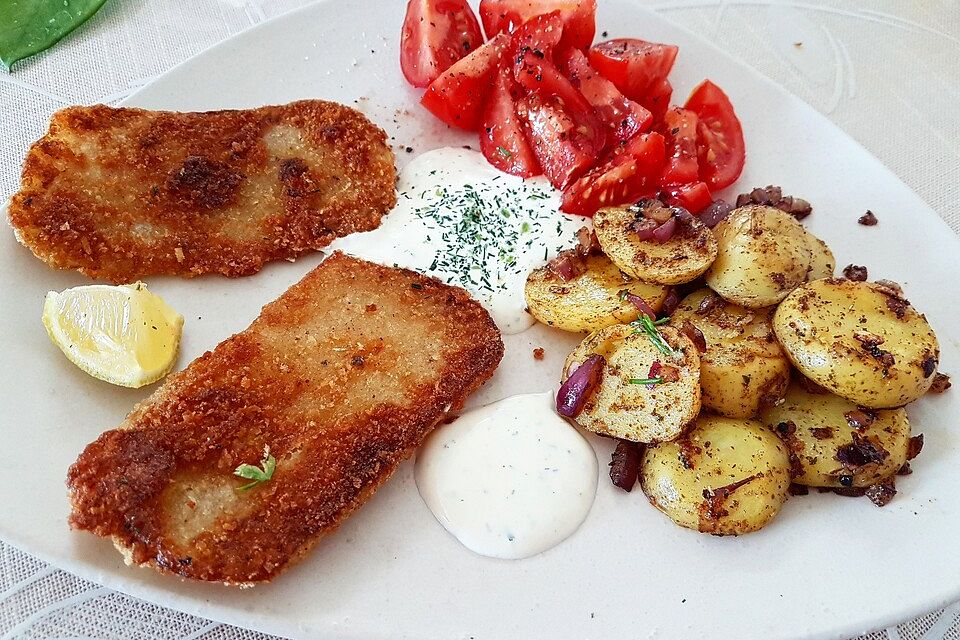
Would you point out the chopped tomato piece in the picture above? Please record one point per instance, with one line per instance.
(457, 97)
(680, 130)
(692, 197)
(657, 99)
(502, 139)
(435, 34)
(720, 147)
(562, 128)
(630, 173)
(541, 35)
(623, 116)
(634, 66)
(579, 18)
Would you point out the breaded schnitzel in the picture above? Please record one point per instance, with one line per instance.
(342, 378)
(119, 194)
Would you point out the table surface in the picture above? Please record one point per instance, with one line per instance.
(894, 85)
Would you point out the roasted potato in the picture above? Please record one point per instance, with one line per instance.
(860, 340)
(725, 476)
(763, 254)
(830, 437)
(632, 411)
(680, 259)
(590, 301)
(744, 366)
(822, 262)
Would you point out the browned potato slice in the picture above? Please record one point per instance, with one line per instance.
(822, 262)
(860, 340)
(763, 255)
(638, 412)
(744, 366)
(680, 259)
(830, 435)
(590, 301)
(725, 476)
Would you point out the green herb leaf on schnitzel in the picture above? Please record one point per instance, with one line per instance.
(257, 474)
(31, 26)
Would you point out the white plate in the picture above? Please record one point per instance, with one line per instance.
(826, 567)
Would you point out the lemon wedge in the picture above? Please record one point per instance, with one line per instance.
(123, 335)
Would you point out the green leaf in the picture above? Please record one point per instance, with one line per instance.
(257, 474)
(31, 26)
(649, 327)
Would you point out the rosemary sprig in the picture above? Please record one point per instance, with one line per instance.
(649, 327)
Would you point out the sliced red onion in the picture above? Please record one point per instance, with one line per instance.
(683, 215)
(625, 464)
(665, 231)
(577, 389)
(670, 303)
(654, 372)
(641, 305)
(644, 228)
(715, 212)
(696, 336)
(568, 265)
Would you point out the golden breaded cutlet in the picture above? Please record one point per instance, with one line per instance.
(342, 377)
(119, 194)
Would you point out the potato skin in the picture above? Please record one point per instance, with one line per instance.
(744, 366)
(681, 259)
(763, 254)
(718, 452)
(860, 340)
(820, 428)
(634, 411)
(590, 301)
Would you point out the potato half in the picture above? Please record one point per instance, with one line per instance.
(680, 259)
(829, 436)
(822, 262)
(638, 412)
(860, 340)
(725, 476)
(763, 254)
(744, 366)
(590, 301)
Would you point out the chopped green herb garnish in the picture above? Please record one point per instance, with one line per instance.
(649, 327)
(504, 152)
(259, 474)
(657, 380)
(525, 227)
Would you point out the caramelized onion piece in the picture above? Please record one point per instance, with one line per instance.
(640, 304)
(625, 464)
(941, 382)
(696, 336)
(882, 493)
(670, 303)
(665, 231)
(715, 212)
(577, 389)
(567, 265)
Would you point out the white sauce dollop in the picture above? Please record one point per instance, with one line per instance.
(508, 480)
(461, 220)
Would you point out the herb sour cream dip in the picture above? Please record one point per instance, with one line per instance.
(508, 480)
(470, 225)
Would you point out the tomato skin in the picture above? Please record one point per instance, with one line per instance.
(435, 35)
(680, 130)
(458, 95)
(579, 18)
(623, 117)
(630, 173)
(692, 197)
(634, 66)
(540, 34)
(502, 138)
(657, 99)
(560, 150)
(720, 146)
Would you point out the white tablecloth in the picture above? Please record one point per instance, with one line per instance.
(886, 72)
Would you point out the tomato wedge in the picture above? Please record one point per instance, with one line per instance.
(634, 66)
(624, 117)
(541, 34)
(692, 197)
(435, 34)
(657, 99)
(629, 174)
(680, 131)
(720, 147)
(458, 95)
(579, 18)
(502, 139)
